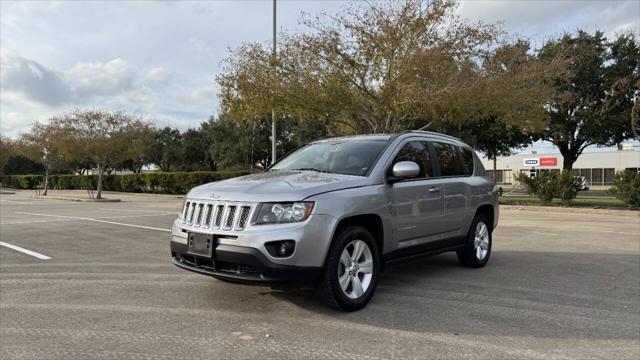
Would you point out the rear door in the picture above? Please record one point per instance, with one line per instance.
(454, 175)
(417, 205)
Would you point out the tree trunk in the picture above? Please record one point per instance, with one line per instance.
(99, 195)
(46, 181)
(495, 168)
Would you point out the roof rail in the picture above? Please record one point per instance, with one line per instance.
(430, 133)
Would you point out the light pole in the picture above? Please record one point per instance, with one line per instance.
(273, 108)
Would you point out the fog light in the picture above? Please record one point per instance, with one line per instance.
(282, 248)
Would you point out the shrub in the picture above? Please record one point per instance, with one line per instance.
(159, 182)
(549, 185)
(567, 185)
(626, 187)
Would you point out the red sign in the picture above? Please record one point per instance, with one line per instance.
(548, 161)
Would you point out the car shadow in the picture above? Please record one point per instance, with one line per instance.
(559, 295)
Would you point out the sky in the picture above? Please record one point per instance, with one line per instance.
(159, 59)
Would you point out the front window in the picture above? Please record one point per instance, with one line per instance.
(348, 157)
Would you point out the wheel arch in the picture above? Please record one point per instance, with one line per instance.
(371, 222)
(488, 211)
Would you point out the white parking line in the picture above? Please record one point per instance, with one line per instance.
(96, 220)
(25, 251)
(149, 211)
(16, 202)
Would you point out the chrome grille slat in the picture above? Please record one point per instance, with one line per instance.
(208, 215)
(185, 210)
(243, 217)
(217, 215)
(231, 214)
(200, 210)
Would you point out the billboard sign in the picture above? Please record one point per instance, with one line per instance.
(541, 162)
(548, 161)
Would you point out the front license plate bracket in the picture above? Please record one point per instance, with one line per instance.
(200, 244)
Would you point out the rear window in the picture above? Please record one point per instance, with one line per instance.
(467, 161)
(449, 159)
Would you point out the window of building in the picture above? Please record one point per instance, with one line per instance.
(597, 176)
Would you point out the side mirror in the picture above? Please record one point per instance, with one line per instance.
(405, 170)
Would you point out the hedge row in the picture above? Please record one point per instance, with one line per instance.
(158, 182)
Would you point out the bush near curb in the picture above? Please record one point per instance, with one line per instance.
(157, 183)
(548, 185)
(626, 187)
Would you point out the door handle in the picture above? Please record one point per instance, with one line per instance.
(434, 190)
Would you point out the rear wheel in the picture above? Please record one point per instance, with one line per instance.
(350, 273)
(477, 248)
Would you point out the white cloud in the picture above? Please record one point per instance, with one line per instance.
(159, 74)
(32, 81)
(206, 94)
(96, 79)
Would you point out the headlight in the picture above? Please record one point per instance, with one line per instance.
(275, 213)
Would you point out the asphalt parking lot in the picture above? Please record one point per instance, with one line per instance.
(560, 284)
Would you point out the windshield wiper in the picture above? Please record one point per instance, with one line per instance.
(314, 169)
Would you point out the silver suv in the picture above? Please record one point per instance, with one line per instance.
(333, 212)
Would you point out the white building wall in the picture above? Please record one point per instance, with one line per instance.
(618, 160)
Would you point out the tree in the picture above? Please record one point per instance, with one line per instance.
(8, 150)
(592, 103)
(233, 143)
(21, 165)
(194, 150)
(375, 67)
(490, 135)
(44, 144)
(104, 137)
(164, 149)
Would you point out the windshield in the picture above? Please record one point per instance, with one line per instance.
(352, 157)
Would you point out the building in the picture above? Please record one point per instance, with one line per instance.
(598, 167)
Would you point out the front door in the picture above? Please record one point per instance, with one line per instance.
(417, 204)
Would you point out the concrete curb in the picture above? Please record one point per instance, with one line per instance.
(70, 198)
(578, 210)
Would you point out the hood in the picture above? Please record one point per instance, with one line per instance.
(274, 186)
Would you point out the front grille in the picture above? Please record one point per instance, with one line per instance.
(244, 216)
(222, 266)
(228, 223)
(213, 215)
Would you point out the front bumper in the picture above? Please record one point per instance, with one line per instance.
(241, 264)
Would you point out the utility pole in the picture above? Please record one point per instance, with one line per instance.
(273, 108)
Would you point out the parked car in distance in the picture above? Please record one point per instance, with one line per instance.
(335, 211)
(583, 183)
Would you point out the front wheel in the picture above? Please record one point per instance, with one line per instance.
(350, 273)
(477, 247)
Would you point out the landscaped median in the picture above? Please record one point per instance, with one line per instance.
(595, 201)
(157, 182)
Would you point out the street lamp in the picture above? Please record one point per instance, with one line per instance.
(273, 106)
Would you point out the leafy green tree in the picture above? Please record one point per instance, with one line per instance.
(22, 165)
(164, 150)
(592, 103)
(233, 143)
(7, 151)
(45, 144)
(105, 138)
(490, 135)
(378, 65)
(194, 150)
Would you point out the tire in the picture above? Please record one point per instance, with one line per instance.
(355, 292)
(470, 255)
